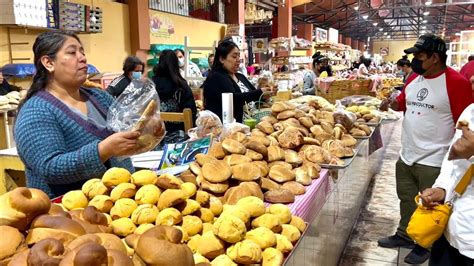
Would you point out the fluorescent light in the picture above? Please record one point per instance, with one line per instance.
(365, 16)
(356, 8)
(385, 33)
(388, 37)
(380, 29)
(426, 13)
(457, 34)
(428, 3)
(425, 21)
(423, 31)
(375, 24)
(423, 27)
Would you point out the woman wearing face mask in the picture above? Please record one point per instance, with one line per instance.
(404, 68)
(225, 79)
(193, 69)
(60, 131)
(175, 94)
(321, 64)
(133, 68)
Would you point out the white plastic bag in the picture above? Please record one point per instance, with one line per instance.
(343, 117)
(138, 109)
(234, 127)
(206, 123)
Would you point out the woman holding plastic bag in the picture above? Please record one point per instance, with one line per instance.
(60, 131)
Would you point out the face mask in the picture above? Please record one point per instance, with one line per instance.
(401, 73)
(181, 62)
(417, 66)
(136, 75)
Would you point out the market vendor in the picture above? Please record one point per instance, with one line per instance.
(363, 71)
(193, 69)
(60, 131)
(4, 86)
(404, 66)
(321, 64)
(133, 68)
(225, 79)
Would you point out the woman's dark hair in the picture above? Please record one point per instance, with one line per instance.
(404, 62)
(46, 44)
(130, 63)
(168, 67)
(181, 51)
(222, 51)
(365, 61)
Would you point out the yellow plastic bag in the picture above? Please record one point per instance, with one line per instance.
(427, 224)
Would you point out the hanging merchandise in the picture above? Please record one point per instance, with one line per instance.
(260, 45)
(178, 7)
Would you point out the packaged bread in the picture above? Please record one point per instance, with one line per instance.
(208, 123)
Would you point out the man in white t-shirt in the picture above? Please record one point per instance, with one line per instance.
(432, 100)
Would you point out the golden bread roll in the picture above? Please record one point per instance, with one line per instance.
(256, 146)
(124, 190)
(279, 196)
(291, 232)
(235, 159)
(217, 151)
(245, 252)
(48, 251)
(169, 216)
(116, 258)
(229, 228)
(236, 211)
(188, 207)
(293, 158)
(268, 184)
(271, 119)
(258, 133)
(168, 181)
(102, 203)
(74, 199)
(263, 166)
(108, 241)
(311, 141)
(185, 234)
(291, 138)
(115, 176)
(194, 242)
(348, 140)
(263, 236)
(259, 139)
(57, 227)
(217, 188)
(123, 227)
(170, 198)
(246, 172)
(210, 246)
(272, 257)
(313, 169)
(189, 189)
(205, 215)
(198, 258)
(281, 211)
(238, 136)
(294, 187)
(302, 176)
(202, 197)
(281, 174)
(280, 163)
(123, 208)
(306, 121)
(143, 228)
(273, 141)
(275, 153)
(207, 227)
(254, 205)
(12, 242)
(215, 205)
(243, 190)
(148, 194)
(92, 220)
(58, 210)
(253, 155)
(231, 146)
(188, 177)
(170, 251)
(143, 177)
(216, 171)
(278, 107)
(192, 225)
(130, 250)
(286, 114)
(222, 260)
(265, 127)
(283, 244)
(202, 158)
(87, 254)
(94, 187)
(195, 168)
(298, 223)
(269, 221)
(145, 214)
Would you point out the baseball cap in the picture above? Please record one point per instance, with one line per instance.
(428, 43)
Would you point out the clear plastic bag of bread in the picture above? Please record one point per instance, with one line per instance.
(343, 117)
(207, 123)
(234, 127)
(138, 109)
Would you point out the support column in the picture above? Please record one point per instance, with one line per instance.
(341, 38)
(348, 41)
(362, 46)
(285, 21)
(235, 12)
(355, 44)
(139, 28)
(305, 31)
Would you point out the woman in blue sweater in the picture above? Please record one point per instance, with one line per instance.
(60, 131)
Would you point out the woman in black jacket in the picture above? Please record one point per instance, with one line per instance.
(224, 78)
(175, 94)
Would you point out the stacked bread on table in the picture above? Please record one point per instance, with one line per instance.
(364, 114)
(142, 219)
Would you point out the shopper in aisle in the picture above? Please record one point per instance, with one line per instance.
(4, 86)
(133, 68)
(321, 64)
(225, 79)
(210, 61)
(404, 66)
(193, 69)
(175, 94)
(432, 100)
(60, 131)
(363, 69)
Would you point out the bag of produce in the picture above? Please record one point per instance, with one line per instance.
(138, 109)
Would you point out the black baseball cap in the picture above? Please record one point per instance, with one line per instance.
(428, 43)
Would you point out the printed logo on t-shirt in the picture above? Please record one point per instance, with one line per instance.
(422, 94)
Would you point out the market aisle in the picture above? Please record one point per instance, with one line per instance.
(379, 217)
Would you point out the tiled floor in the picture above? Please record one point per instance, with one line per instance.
(379, 216)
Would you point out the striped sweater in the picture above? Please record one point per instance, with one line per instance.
(58, 147)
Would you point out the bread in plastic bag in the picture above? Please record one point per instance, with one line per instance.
(234, 127)
(206, 123)
(138, 109)
(343, 117)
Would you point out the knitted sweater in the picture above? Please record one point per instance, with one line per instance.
(58, 147)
